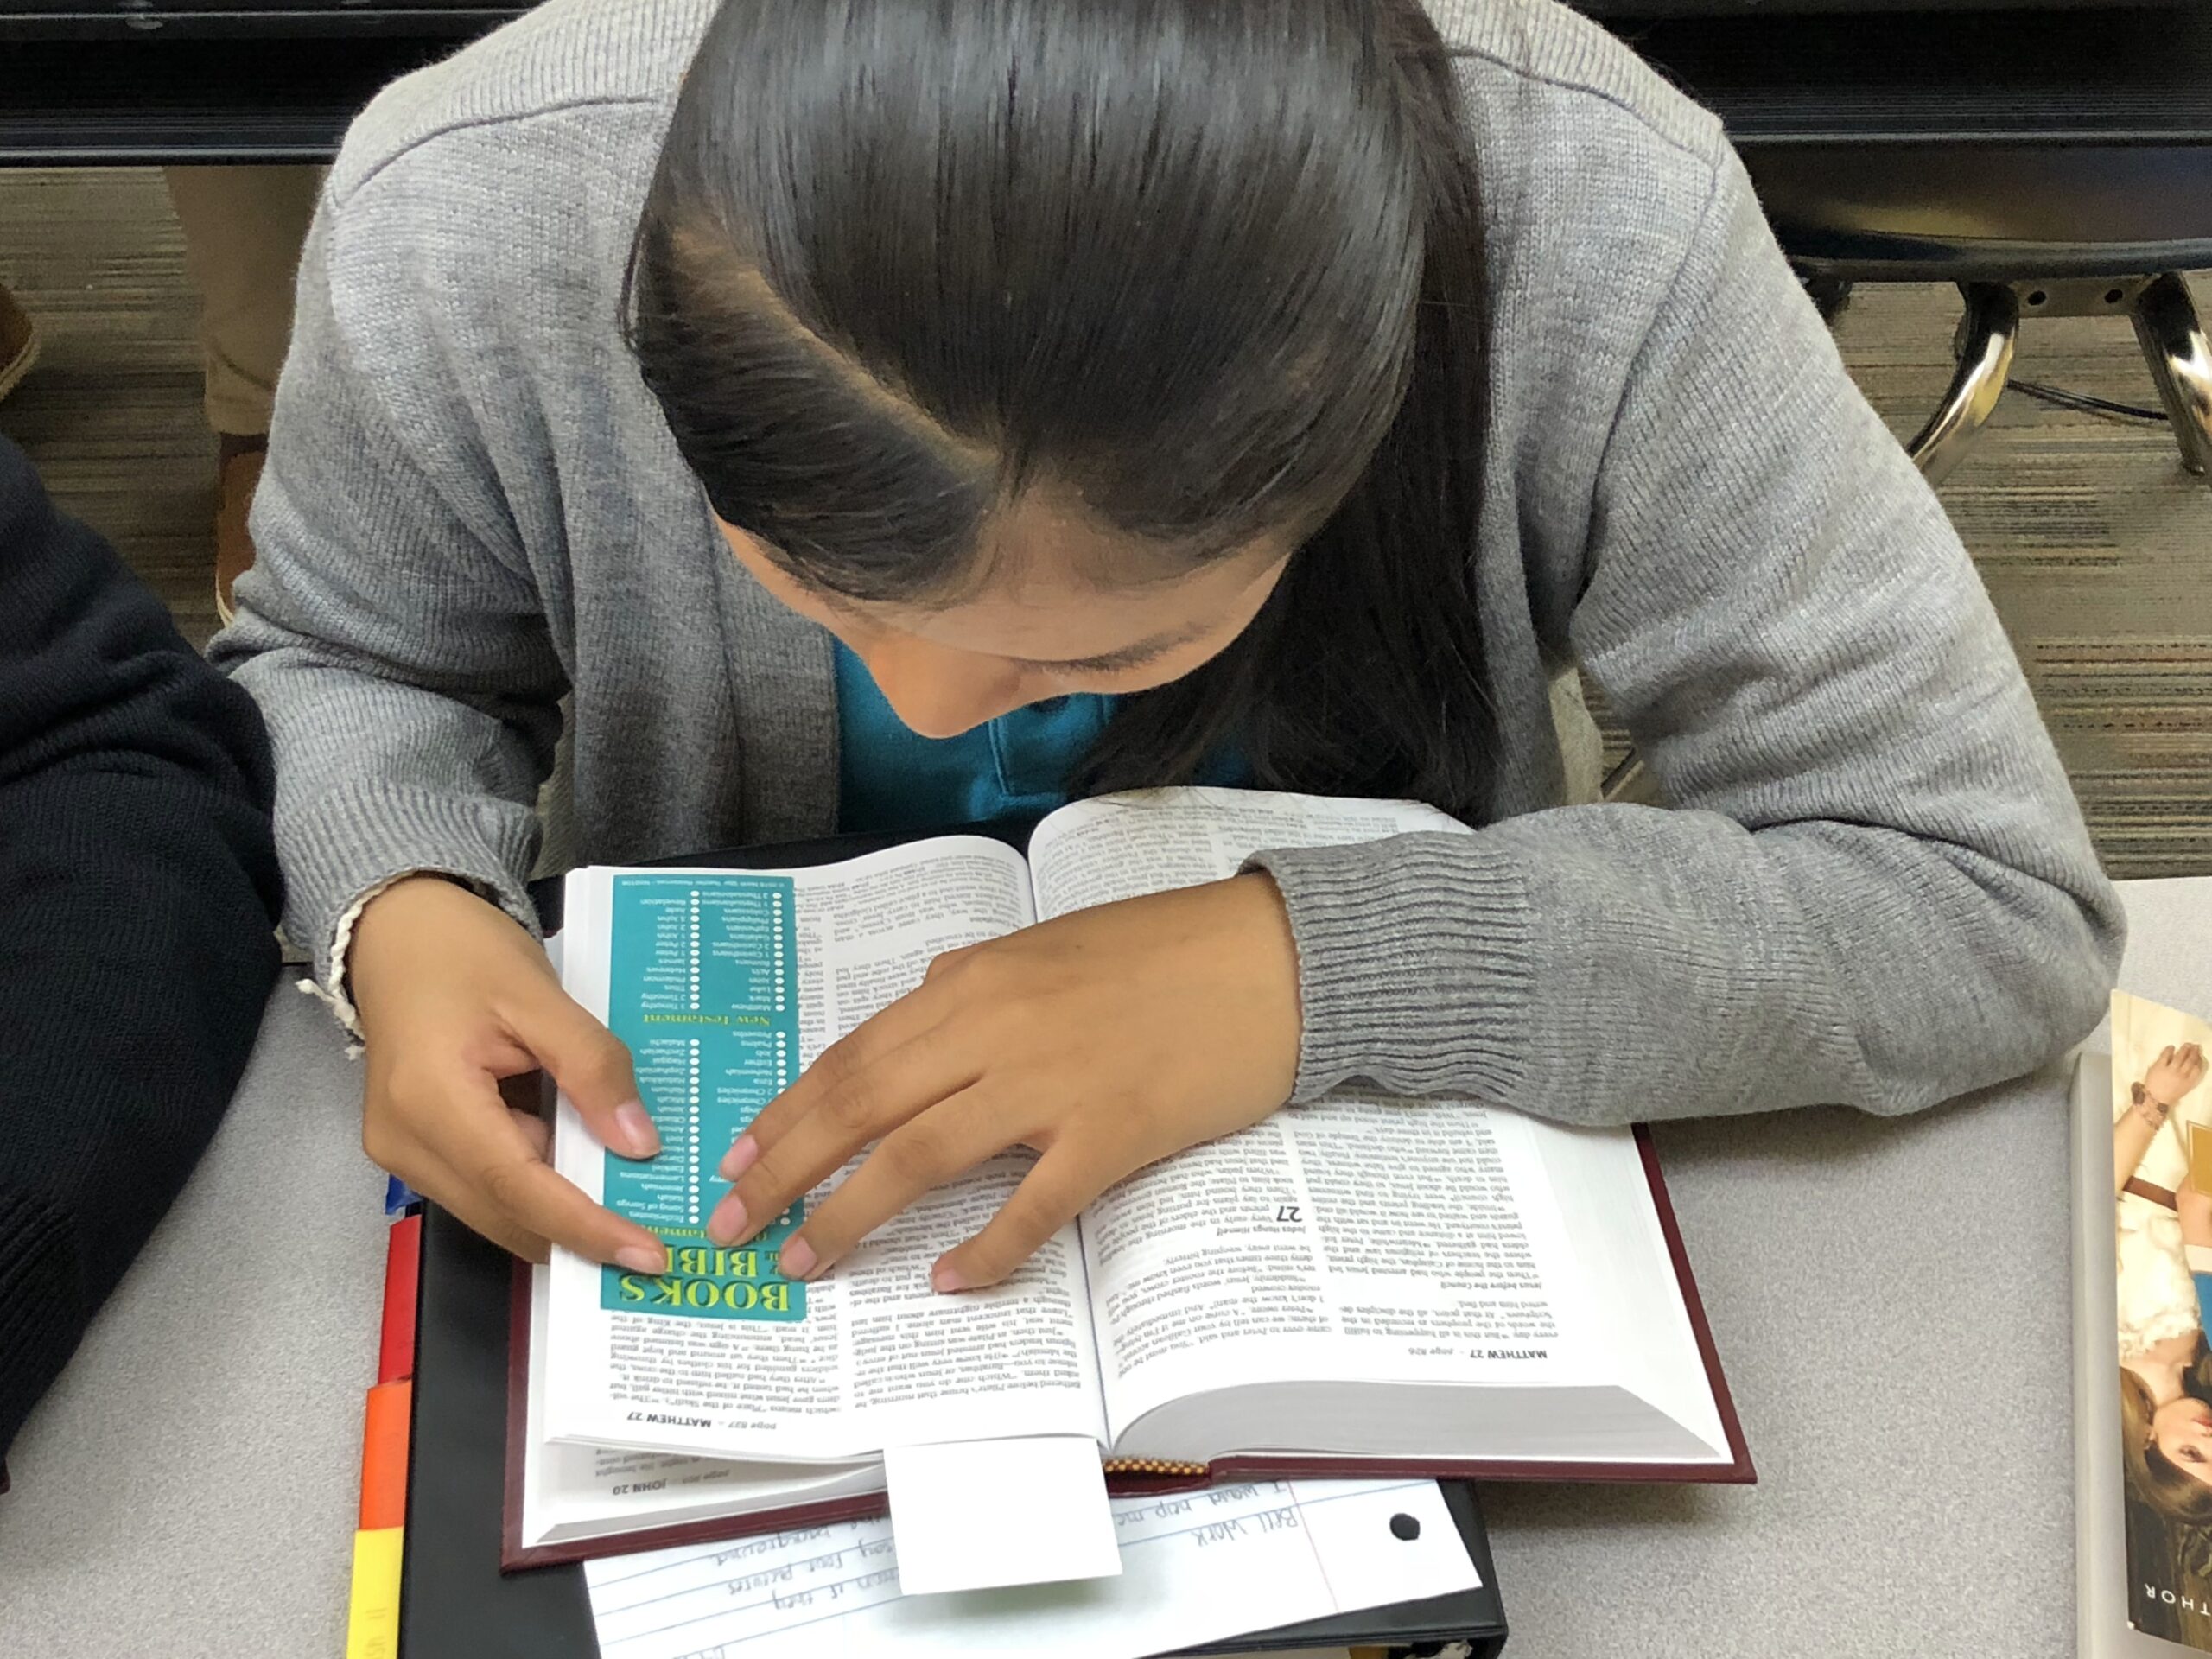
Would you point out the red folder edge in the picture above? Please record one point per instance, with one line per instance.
(403, 1277)
(515, 1556)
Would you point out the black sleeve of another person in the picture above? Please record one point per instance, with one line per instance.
(138, 891)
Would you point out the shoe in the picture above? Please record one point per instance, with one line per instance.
(239, 476)
(18, 342)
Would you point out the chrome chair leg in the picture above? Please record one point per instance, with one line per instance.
(1986, 333)
(2166, 327)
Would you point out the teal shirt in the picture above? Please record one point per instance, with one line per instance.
(1016, 765)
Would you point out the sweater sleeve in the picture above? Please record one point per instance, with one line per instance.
(139, 894)
(1872, 886)
(391, 629)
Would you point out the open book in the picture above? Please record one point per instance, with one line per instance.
(1362, 1287)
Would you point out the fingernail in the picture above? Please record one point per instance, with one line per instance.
(797, 1260)
(634, 1127)
(640, 1258)
(739, 1157)
(943, 1277)
(726, 1224)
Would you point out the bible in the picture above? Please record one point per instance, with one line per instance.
(1357, 1287)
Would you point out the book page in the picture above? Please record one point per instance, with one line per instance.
(1120, 846)
(1286, 1250)
(725, 984)
(571, 1490)
(1361, 1238)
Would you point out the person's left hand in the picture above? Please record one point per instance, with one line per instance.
(1106, 1038)
(2174, 1073)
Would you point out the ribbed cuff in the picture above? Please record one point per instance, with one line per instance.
(1414, 964)
(350, 845)
(42, 1310)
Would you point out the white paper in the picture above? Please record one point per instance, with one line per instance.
(1196, 1566)
(949, 1502)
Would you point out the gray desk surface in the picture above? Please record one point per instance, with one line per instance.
(1889, 1299)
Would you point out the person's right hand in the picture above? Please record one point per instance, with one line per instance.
(2174, 1073)
(454, 995)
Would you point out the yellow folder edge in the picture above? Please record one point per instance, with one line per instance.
(372, 1615)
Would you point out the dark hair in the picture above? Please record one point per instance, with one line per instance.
(2154, 1478)
(1213, 267)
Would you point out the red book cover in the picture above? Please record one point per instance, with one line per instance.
(402, 1265)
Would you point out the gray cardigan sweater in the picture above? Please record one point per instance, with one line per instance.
(1872, 885)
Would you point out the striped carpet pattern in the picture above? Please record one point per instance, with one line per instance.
(2095, 545)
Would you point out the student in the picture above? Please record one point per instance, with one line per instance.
(138, 898)
(1310, 385)
(243, 227)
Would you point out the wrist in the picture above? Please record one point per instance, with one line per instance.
(2147, 1106)
(419, 901)
(420, 889)
(1249, 946)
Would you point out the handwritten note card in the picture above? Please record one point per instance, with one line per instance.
(1197, 1567)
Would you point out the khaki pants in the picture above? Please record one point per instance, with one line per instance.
(244, 227)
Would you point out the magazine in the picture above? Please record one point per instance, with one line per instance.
(2161, 1116)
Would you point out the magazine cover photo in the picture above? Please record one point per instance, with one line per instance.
(2162, 1169)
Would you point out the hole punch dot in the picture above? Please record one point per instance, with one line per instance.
(1405, 1527)
(2112, 296)
(2037, 297)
